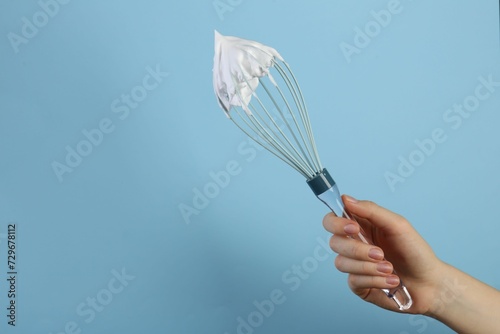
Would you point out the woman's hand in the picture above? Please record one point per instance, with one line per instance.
(439, 290)
(396, 241)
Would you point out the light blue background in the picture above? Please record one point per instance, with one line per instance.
(120, 207)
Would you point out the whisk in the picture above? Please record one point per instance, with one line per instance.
(277, 119)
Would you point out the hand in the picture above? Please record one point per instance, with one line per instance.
(439, 290)
(396, 240)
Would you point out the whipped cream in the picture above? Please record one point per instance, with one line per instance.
(238, 65)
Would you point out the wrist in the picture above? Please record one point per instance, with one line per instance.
(445, 290)
(464, 303)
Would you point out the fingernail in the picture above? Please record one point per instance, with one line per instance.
(350, 199)
(392, 280)
(376, 254)
(384, 267)
(350, 229)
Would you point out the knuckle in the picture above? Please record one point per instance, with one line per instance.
(332, 223)
(325, 222)
(367, 267)
(331, 243)
(334, 244)
(370, 208)
(400, 220)
(354, 250)
(353, 281)
(327, 219)
(339, 263)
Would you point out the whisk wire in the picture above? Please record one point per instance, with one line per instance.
(281, 143)
(284, 143)
(304, 157)
(296, 92)
(278, 142)
(296, 147)
(297, 126)
(275, 141)
(273, 144)
(268, 147)
(306, 116)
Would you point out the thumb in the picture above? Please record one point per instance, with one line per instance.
(380, 217)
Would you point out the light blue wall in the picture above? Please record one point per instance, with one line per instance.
(119, 208)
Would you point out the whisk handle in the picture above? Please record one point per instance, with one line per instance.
(326, 190)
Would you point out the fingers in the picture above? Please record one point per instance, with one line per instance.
(355, 249)
(378, 216)
(350, 266)
(364, 263)
(359, 282)
(340, 226)
(366, 274)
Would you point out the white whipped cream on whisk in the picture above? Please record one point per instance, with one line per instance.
(238, 65)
